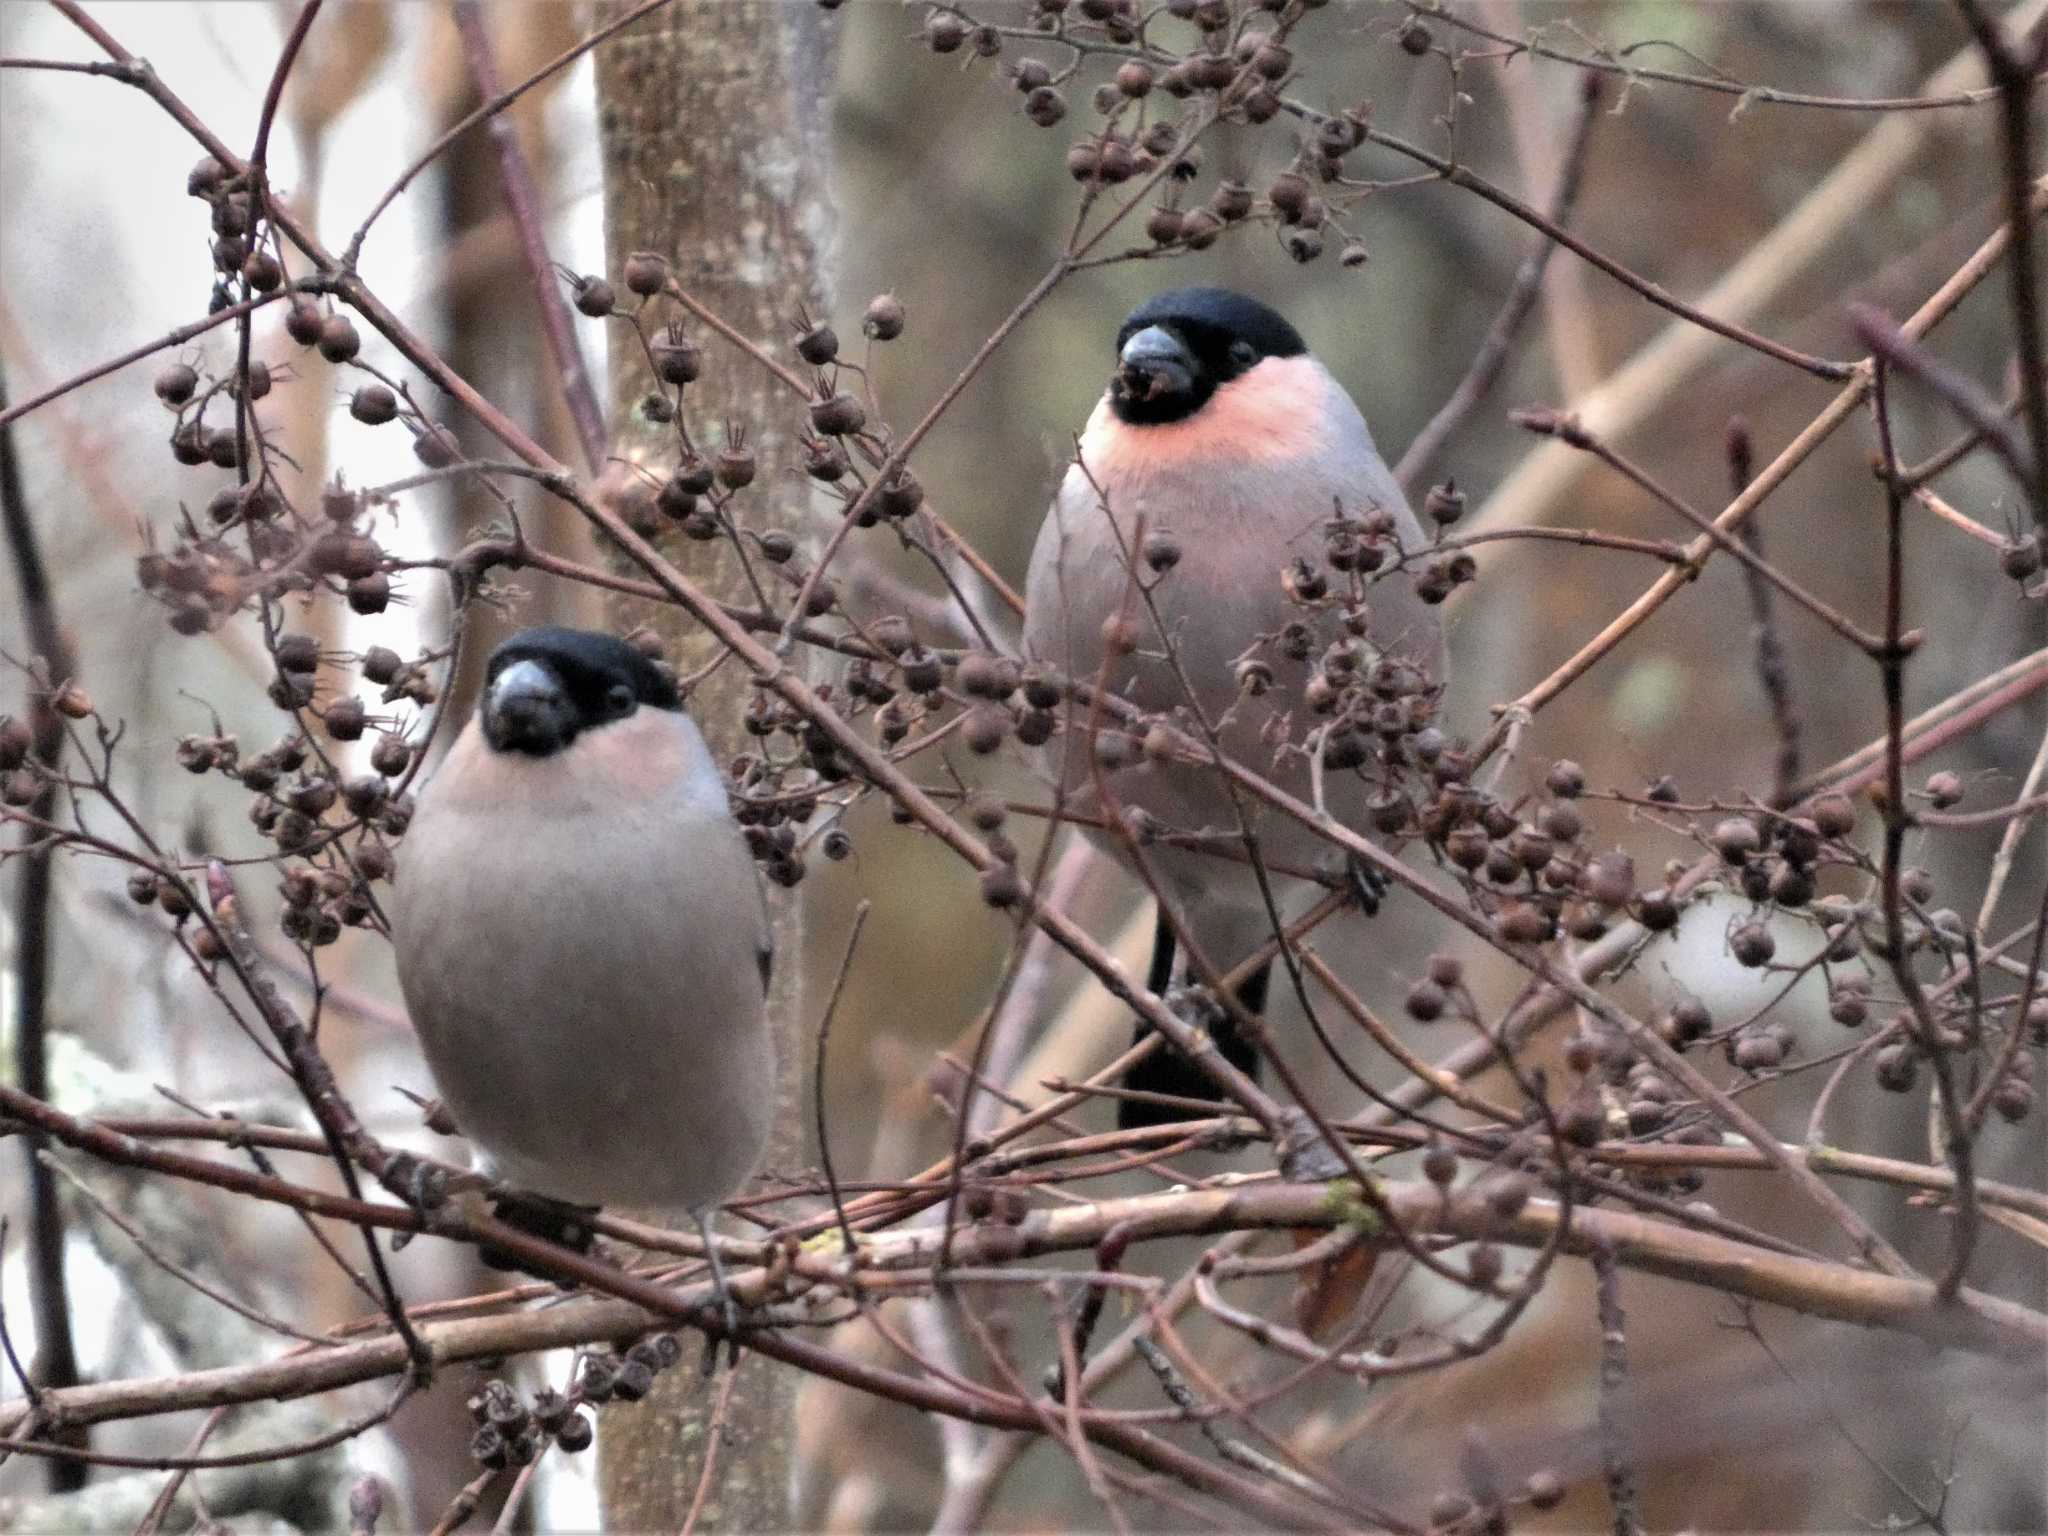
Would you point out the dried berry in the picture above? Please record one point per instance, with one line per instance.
(900, 496)
(1044, 106)
(1897, 1068)
(645, 273)
(1161, 550)
(338, 341)
(373, 405)
(2021, 558)
(817, 345)
(735, 466)
(1752, 944)
(1001, 886)
(391, 756)
(1521, 922)
(346, 555)
(1834, 816)
(303, 321)
(1425, 1002)
(1445, 504)
(677, 359)
(1199, 229)
(175, 385)
(262, 272)
(1848, 1006)
(1736, 838)
(1758, 1051)
(1688, 1021)
(594, 297)
(883, 320)
(1484, 1266)
(381, 664)
(1656, 910)
(983, 728)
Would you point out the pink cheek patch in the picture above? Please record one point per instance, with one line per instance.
(633, 759)
(1273, 413)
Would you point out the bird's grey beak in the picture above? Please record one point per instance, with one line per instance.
(1154, 362)
(525, 710)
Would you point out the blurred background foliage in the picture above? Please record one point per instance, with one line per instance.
(950, 199)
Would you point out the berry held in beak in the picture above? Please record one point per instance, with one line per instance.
(1153, 364)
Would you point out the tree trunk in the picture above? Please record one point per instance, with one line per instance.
(712, 122)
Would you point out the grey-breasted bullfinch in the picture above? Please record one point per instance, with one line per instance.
(582, 941)
(1220, 432)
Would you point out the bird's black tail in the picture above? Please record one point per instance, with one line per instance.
(1166, 1070)
(567, 1225)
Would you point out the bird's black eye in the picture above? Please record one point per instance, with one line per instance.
(618, 699)
(1242, 355)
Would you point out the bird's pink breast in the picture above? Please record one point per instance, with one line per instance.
(1276, 412)
(627, 762)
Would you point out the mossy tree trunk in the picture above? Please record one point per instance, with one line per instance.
(712, 123)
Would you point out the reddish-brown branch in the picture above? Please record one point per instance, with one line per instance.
(2017, 78)
(176, 337)
(522, 199)
(1958, 1142)
(1491, 358)
(49, 1295)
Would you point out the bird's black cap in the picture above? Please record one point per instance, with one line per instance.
(595, 678)
(1197, 340)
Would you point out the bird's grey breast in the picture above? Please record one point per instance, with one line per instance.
(583, 975)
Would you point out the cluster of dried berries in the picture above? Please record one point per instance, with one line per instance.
(255, 544)
(696, 494)
(1483, 1511)
(1233, 66)
(20, 782)
(239, 249)
(339, 830)
(513, 1433)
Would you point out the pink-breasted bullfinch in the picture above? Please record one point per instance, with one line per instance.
(582, 942)
(1222, 434)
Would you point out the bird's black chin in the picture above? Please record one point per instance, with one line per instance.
(1154, 408)
(530, 727)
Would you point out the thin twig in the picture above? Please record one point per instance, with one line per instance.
(1960, 1145)
(56, 1350)
(1617, 1415)
(487, 110)
(1958, 391)
(818, 1078)
(1461, 176)
(524, 203)
(1771, 670)
(1937, 307)
(2017, 78)
(1491, 358)
(169, 1265)
(177, 336)
(714, 1437)
(1618, 62)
